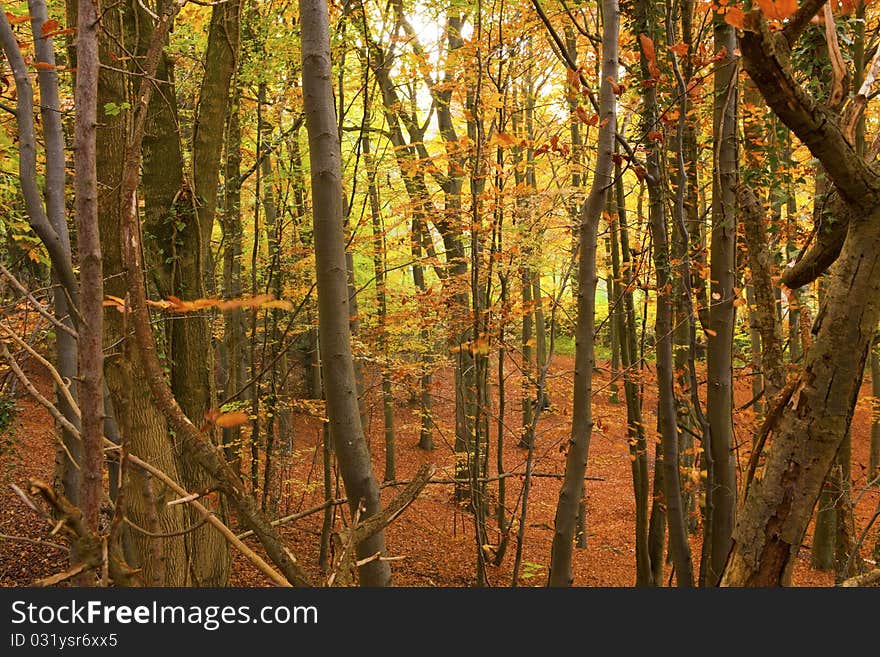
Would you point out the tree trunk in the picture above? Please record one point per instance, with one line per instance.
(379, 265)
(626, 331)
(335, 338)
(874, 458)
(582, 419)
(143, 428)
(721, 484)
(89, 345)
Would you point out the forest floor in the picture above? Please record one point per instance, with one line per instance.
(435, 536)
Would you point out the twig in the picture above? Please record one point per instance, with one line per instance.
(56, 376)
(60, 577)
(63, 421)
(35, 541)
(36, 304)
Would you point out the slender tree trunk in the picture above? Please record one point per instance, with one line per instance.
(771, 360)
(233, 234)
(54, 190)
(335, 338)
(90, 347)
(379, 266)
(582, 420)
(721, 484)
(874, 458)
(626, 331)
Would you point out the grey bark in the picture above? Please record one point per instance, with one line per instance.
(335, 338)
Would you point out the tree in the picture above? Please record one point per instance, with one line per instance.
(810, 422)
(340, 387)
(582, 419)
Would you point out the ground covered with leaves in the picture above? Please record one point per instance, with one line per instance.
(434, 538)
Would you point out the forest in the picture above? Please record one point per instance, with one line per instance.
(462, 293)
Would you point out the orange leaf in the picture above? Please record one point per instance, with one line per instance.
(650, 55)
(711, 332)
(680, 49)
(648, 47)
(17, 19)
(278, 303)
(734, 16)
(44, 66)
(49, 27)
(778, 10)
(233, 419)
(502, 139)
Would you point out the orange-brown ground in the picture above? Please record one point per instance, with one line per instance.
(434, 536)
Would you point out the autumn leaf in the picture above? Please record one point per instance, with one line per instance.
(711, 332)
(226, 420)
(44, 66)
(777, 10)
(13, 19)
(49, 27)
(278, 303)
(734, 16)
(680, 49)
(233, 419)
(581, 113)
(650, 55)
(615, 87)
(502, 139)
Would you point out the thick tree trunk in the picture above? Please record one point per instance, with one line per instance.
(335, 338)
(143, 428)
(812, 426)
(582, 419)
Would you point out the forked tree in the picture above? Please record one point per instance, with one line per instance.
(809, 420)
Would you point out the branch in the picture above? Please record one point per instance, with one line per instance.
(27, 165)
(36, 304)
(63, 386)
(830, 232)
(398, 505)
(867, 579)
(799, 21)
(765, 57)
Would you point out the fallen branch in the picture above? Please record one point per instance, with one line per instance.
(867, 579)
